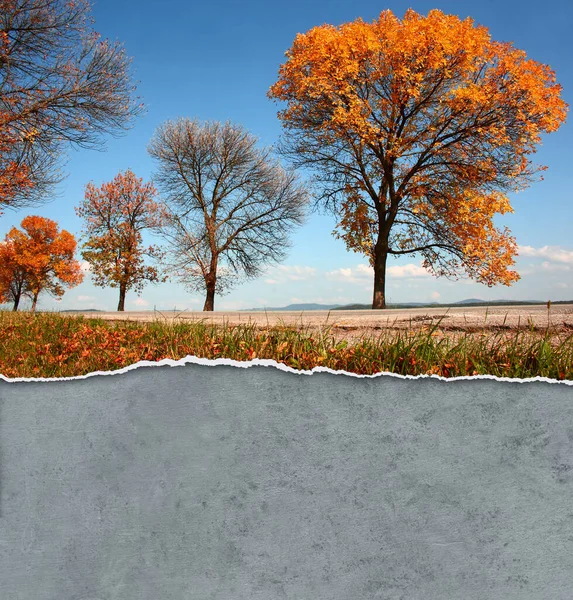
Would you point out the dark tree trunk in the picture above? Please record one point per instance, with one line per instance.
(16, 303)
(210, 297)
(122, 290)
(211, 283)
(380, 258)
(34, 302)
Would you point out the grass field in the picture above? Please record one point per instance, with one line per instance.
(53, 345)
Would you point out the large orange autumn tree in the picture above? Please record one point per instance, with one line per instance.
(38, 258)
(416, 130)
(114, 216)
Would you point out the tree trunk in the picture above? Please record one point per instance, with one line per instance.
(380, 258)
(210, 298)
(122, 290)
(34, 302)
(211, 283)
(16, 302)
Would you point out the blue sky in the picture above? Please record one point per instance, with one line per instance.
(216, 61)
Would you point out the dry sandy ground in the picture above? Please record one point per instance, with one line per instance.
(353, 324)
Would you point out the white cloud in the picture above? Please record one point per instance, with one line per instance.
(85, 266)
(547, 266)
(363, 272)
(551, 253)
(345, 272)
(365, 269)
(295, 272)
(347, 275)
(140, 302)
(85, 298)
(279, 274)
(526, 251)
(409, 270)
(435, 295)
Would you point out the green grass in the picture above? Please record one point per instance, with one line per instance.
(53, 345)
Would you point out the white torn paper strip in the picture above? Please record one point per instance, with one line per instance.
(272, 363)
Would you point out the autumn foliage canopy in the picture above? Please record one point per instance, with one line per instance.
(114, 216)
(417, 129)
(37, 258)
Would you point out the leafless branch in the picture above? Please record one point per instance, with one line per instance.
(231, 205)
(59, 85)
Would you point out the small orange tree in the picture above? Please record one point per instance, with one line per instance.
(12, 275)
(35, 259)
(115, 215)
(416, 130)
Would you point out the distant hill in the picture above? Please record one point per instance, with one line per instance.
(470, 301)
(494, 302)
(467, 302)
(389, 305)
(315, 306)
(309, 306)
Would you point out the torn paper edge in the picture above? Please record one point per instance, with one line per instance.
(212, 362)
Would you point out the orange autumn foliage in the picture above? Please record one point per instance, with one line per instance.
(417, 129)
(39, 258)
(114, 216)
(14, 176)
(12, 275)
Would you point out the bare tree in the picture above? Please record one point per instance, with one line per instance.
(231, 205)
(59, 84)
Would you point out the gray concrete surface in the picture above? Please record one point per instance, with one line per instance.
(221, 483)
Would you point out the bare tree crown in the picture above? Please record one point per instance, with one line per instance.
(59, 83)
(231, 204)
